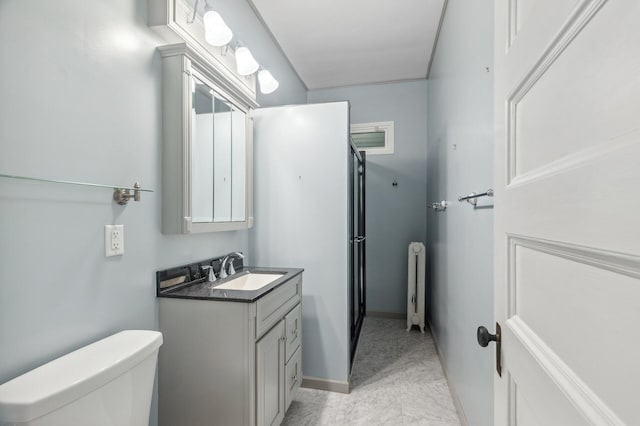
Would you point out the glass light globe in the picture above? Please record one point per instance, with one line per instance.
(268, 84)
(216, 31)
(246, 64)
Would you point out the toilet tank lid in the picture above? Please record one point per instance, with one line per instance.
(74, 375)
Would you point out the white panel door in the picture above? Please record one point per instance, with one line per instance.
(567, 211)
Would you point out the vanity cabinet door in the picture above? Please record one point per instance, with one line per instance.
(293, 329)
(270, 376)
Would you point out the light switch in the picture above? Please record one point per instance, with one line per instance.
(114, 240)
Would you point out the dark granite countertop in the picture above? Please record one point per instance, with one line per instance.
(200, 290)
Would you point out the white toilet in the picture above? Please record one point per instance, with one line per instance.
(107, 383)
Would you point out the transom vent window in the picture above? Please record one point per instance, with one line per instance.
(373, 138)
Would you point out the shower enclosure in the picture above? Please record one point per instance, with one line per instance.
(357, 277)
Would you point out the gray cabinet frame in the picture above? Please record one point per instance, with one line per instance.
(209, 364)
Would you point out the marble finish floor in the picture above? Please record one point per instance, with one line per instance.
(397, 380)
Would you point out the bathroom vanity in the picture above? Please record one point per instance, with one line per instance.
(232, 351)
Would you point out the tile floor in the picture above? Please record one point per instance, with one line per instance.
(397, 380)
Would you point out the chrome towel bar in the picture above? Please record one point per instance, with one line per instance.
(473, 197)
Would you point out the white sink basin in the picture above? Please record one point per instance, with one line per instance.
(249, 281)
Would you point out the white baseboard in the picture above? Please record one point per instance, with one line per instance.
(324, 384)
(452, 389)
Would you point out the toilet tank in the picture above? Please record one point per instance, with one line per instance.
(106, 383)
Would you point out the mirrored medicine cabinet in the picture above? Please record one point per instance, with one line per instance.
(207, 165)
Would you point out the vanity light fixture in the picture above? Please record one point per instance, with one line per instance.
(246, 64)
(268, 84)
(216, 31)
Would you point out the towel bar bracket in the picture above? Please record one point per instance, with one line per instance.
(439, 206)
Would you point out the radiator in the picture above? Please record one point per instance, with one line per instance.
(415, 286)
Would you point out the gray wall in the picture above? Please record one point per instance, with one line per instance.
(460, 239)
(395, 216)
(81, 100)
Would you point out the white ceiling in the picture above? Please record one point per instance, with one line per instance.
(333, 43)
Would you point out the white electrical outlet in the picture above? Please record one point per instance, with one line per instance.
(114, 240)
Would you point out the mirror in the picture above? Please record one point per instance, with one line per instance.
(207, 146)
(218, 156)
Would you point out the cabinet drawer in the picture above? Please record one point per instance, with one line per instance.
(272, 308)
(293, 331)
(292, 378)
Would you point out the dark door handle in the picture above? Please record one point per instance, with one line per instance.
(484, 338)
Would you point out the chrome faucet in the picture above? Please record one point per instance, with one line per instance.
(211, 274)
(223, 264)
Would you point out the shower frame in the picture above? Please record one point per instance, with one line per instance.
(357, 240)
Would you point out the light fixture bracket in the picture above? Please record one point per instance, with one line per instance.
(195, 11)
